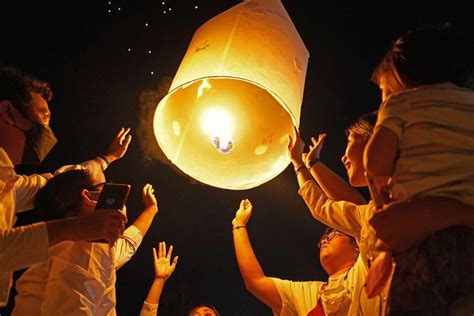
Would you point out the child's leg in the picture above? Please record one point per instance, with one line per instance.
(402, 225)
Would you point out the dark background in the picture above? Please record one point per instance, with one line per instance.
(82, 50)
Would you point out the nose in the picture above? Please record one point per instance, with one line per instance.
(344, 159)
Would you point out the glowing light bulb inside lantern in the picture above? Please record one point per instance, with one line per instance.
(235, 97)
(218, 125)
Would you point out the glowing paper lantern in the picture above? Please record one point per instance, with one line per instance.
(235, 98)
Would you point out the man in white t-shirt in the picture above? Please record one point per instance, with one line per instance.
(339, 256)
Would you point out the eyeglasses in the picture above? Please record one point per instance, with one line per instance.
(93, 195)
(329, 236)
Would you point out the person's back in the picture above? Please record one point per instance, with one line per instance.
(76, 271)
(434, 127)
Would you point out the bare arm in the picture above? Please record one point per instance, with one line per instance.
(333, 186)
(380, 155)
(146, 217)
(403, 225)
(256, 282)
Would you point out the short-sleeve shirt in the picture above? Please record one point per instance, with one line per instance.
(435, 129)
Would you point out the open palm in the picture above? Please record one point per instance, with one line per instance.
(163, 265)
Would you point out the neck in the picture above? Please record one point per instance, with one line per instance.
(12, 141)
(343, 269)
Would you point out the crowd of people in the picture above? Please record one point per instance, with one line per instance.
(407, 251)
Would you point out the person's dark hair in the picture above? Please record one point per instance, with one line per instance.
(363, 126)
(16, 86)
(428, 55)
(204, 305)
(61, 196)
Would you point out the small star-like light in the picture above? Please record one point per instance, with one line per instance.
(110, 2)
(152, 73)
(118, 9)
(163, 3)
(149, 52)
(164, 12)
(169, 9)
(129, 49)
(146, 24)
(110, 11)
(195, 7)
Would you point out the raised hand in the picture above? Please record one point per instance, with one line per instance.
(295, 147)
(314, 148)
(119, 146)
(148, 197)
(164, 268)
(243, 214)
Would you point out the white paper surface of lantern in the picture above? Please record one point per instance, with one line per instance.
(235, 97)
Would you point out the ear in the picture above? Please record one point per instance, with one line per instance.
(86, 198)
(6, 111)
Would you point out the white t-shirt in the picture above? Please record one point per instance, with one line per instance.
(78, 279)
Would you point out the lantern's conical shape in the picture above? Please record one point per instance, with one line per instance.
(235, 98)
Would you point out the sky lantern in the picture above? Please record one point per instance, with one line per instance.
(235, 97)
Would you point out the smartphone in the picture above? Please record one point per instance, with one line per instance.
(113, 196)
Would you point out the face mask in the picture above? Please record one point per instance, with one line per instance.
(337, 296)
(39, 142)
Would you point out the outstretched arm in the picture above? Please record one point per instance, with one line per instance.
(255, 280)
(333, 186)
(146, 217)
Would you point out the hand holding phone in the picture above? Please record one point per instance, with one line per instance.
(112, 197)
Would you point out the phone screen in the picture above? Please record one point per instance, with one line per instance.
(113, 196)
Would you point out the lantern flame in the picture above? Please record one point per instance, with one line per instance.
(218, 125)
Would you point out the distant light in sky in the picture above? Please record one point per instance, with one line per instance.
(152, 73)
(163, 3)
(110, 11)
(195, 7)
(129, 49)
(164, 12)
(110, 2)
(146, 24)
(169, 9)
(149, 52)
(118, 9)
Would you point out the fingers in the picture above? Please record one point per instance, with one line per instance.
(247, 203)
(155, 256)
(174, 263)
(148, 190)
(170, 251)
(162, 249)
(122, 133)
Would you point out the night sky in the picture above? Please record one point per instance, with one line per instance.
(100, 55)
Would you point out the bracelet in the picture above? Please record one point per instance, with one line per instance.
(107, 162)
(312, 162)
(238, 227)
(299, 169)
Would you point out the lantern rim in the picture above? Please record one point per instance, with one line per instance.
(273, 94)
